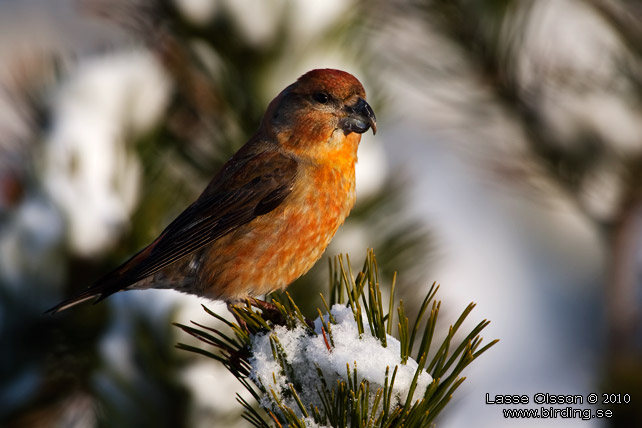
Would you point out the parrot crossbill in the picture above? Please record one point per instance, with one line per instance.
(271, 211)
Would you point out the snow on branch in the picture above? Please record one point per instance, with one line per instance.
(345, 368)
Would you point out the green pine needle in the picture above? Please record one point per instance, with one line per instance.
(349, 401)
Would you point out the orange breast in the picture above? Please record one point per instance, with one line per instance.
(275, 249)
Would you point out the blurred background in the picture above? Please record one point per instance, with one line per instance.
(508, 168)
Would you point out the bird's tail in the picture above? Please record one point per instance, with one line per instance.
(124, 277)
(88, 294)
(103, 288)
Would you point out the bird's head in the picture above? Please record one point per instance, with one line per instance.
(323, 111)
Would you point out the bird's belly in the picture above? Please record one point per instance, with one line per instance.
(273, 250)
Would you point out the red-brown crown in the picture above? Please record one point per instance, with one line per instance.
(336, 82)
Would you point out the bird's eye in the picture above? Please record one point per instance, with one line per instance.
(320, 97)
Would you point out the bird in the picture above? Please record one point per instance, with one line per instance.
(270, 212)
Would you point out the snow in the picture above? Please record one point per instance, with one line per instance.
(309, 423)
(305, 352)
(89, 170)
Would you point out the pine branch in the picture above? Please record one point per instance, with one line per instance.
(292, 366)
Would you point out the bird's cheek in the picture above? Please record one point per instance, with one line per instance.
(307, 138)
(317, 126)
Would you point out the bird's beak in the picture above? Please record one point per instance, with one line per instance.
(359, 118)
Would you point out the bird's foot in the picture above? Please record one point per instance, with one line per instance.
(263, 305)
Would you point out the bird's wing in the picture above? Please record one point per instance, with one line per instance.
(265, 181)
(256, 187)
